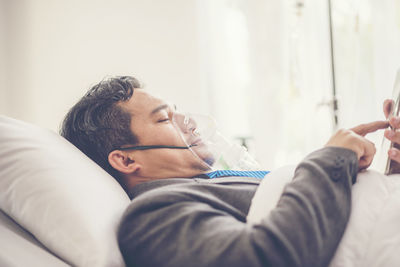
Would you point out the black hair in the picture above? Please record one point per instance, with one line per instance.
(97, 124)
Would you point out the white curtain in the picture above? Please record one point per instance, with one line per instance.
(367, 57)
(267, 67)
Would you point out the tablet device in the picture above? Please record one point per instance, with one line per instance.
(392, 166)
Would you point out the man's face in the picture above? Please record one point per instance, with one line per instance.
(151, 122)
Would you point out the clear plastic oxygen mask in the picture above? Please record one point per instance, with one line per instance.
(209, 146)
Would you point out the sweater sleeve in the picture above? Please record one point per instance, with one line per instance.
(179, 229)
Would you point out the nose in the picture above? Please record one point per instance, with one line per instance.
(185, 123)
(190, 125)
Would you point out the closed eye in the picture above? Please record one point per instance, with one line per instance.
(163, 120)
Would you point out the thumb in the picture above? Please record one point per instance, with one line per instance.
(388, 105)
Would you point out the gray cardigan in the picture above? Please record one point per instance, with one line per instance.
(202, 222)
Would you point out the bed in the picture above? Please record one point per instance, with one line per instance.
(58, 208)
(372, 235)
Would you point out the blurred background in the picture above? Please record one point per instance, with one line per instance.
(269, 71)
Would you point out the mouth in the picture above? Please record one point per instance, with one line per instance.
(197, 142)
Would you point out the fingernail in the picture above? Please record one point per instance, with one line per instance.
(392, 153)
(397, 121)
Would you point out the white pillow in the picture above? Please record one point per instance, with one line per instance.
(58, 194)
(269, 192)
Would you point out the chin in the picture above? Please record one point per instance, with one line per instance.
(209, 160)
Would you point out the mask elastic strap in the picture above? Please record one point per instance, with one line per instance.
(153, 147)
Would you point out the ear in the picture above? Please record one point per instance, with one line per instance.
(123, 162)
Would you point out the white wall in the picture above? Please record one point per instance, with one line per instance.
(57, 49)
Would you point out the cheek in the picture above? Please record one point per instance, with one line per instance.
(203, 153)
(165, 135)
(171, 158)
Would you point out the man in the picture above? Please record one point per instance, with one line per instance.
(179, 218)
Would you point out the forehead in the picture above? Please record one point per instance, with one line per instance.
(141, 103)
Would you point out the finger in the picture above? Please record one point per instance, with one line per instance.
(393, 136)
(395, 122)
(365, 162)
(369, 149)
(369, 153)
(367, 128)
(394, 154)
(387, 107)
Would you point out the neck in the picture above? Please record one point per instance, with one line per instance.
(132, 180)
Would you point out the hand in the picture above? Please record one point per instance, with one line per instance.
(354, 139)
(392, 134)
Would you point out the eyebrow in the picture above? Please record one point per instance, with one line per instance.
(157, 109)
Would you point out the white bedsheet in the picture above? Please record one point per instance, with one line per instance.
(372, 237)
